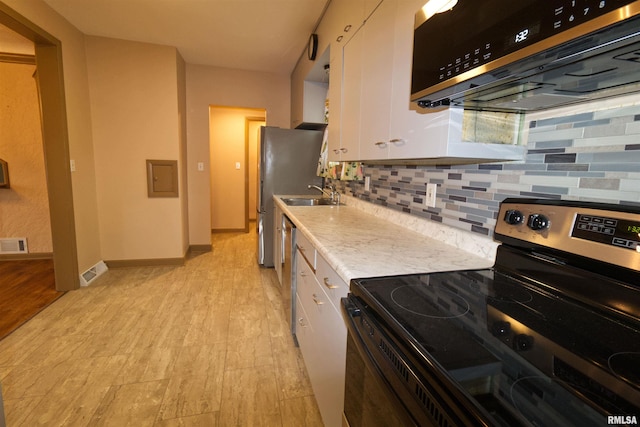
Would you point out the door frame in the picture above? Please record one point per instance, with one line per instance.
(247, 126)
(55, 136)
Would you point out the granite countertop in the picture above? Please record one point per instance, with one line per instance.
(359, 243)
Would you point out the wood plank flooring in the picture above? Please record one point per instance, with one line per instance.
(204, 344)
(26, 287)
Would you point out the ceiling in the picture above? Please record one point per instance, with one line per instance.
(258, 35)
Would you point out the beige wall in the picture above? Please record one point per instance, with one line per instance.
(135, 115)
(208, 86)
(24, 208)
(115, 219)
(228, 128)
(78, 123)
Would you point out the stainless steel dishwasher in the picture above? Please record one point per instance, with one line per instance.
(288, 272)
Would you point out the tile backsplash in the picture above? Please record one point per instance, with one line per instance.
(593, 156)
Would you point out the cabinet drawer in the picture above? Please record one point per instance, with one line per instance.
(332, 284)
(306, 249)
(305, 277)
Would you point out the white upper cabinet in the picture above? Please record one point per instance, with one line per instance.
(376, 87)
(347, 146)
(377, 120)
(335, 105)
(342, 22)
(344, 17)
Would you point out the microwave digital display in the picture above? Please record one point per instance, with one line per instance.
(525, 35)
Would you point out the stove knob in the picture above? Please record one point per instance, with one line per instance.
(538, 222)
(522, 342)
(501, 328)
(513, 217)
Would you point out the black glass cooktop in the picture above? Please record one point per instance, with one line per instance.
(549, 359)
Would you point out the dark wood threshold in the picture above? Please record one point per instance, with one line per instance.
(27, 286)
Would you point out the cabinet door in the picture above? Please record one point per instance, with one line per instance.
(325, 365)
(376, 89)
(335, 104)
(418, 133)
(304, 331)
(351, 77)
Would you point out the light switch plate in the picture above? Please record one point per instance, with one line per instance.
(367, 183)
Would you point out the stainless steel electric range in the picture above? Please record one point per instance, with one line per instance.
(550, 336)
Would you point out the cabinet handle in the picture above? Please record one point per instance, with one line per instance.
(316, 300)
(381, 144)
(336, 151)
(344, 150)
(301, 322)
(339, 39)
(347, 28)
(329, 285)
(303, 274)
(397, 141)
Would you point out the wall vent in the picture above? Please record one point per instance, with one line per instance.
(91, 274)
(15, 245)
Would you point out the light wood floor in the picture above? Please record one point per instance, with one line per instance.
(205, 344)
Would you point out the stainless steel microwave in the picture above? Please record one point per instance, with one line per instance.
(506, 55)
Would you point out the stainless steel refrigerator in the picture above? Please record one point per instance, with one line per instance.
(288, 164)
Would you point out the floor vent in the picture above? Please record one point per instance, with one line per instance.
(16, 245)
(91, 274)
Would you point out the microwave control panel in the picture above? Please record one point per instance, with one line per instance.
(499, 27)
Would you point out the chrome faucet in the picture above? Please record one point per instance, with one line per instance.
(333, 195)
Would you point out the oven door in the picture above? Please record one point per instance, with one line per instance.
(386, 386)
(369, 399)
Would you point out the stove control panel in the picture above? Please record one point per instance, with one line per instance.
(610, 231)
(533, 221)
(580, 228)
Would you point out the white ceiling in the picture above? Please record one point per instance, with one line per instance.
(259, 35)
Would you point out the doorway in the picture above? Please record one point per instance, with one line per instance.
(49, 77)
(233, 148)
(252, 159)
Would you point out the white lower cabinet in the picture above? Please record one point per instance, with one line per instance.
(304, 331)
(322, 335)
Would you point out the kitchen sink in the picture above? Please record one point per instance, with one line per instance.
(307, 201)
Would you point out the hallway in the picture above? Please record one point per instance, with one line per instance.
(203, 344)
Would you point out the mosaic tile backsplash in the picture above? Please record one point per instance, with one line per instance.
(589, 157)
